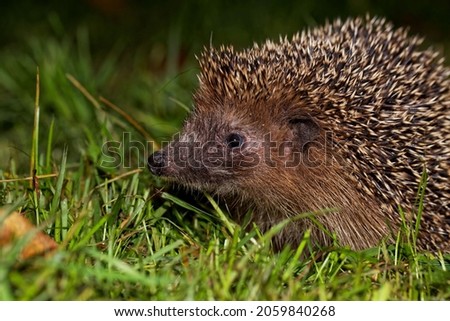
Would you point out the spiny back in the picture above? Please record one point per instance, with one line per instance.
(351, 59)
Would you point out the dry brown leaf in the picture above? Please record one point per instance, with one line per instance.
(14, 226)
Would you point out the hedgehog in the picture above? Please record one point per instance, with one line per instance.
(341, 123)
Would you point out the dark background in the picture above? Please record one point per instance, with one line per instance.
(141, 55)
(139, 22)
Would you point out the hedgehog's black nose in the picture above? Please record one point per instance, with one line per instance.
(156, 162)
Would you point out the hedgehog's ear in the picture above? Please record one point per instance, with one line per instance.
(305, 130)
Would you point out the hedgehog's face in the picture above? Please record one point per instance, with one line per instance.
(210, 152)
(228, 151)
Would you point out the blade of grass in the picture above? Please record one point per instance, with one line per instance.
(223, 218)
(421, 197)
(181, 104)
(130, 119)
(30, 178)
(185, 205)
(57, 197)
(35, 142)
(48, 155)
(84, 91)
(35, 150)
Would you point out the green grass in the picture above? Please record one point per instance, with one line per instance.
(121, 234)
(119, 241)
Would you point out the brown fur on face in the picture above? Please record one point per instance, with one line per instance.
(341, 120)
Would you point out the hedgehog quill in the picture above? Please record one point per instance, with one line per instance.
(342, 118)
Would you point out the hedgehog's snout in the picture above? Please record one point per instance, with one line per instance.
(157, 162)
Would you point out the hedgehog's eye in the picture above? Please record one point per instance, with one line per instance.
(234, 140)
